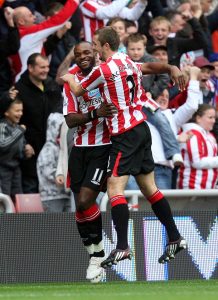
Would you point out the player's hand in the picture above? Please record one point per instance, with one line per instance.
(106, 110)
(178, 78)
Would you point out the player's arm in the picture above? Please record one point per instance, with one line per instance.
(75, 87)
(159, 68)
(76, 119)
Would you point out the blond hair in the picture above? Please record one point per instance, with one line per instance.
(160, 20)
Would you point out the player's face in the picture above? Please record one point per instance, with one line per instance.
(136, 50)
(98, 48)
(163, 100)
(84, 56)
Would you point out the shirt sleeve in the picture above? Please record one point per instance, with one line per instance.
(70, 104)
(112, 10)
(133, 13)
(8, 139)
(185, 111)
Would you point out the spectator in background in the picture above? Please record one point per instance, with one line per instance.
(58, 44)
(160, 53)
(32, 36)
(206, 85)
(8, 45)
(200, 152)
(119, 25)
(41, 96)
(66, 144)
(214, 78)
(196, 9)
(154, 9)
(131, 27)
(177, 22)
(159, 31)
(12, 145)
(176, 118)
(54, 197)
(96, 13)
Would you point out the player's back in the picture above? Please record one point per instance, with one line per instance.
(122, 88)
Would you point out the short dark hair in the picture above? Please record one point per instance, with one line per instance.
(32, 58)
(82, 42)
(7, 102)
(108, 35)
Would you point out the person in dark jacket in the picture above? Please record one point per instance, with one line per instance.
(8, 45)
(41, 96)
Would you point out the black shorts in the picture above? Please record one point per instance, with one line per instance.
(88, 167)
(131, 152)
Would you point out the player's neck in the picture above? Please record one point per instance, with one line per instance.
(109, 54)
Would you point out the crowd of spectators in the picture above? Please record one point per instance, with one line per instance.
(36, 47)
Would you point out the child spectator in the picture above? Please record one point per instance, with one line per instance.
(160, 53)
(54, 196)
(12, 145)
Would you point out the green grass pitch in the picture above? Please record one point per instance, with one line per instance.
(175, 290)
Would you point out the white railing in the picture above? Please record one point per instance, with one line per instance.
(134, 195)
(6, 203)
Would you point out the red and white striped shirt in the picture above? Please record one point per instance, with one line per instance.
(93, 133)
(33, 37)
(90, 21)
(200, 160)
(96, 13)
(119, 82)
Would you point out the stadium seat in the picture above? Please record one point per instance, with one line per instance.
(6, 204)
(27, 203)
